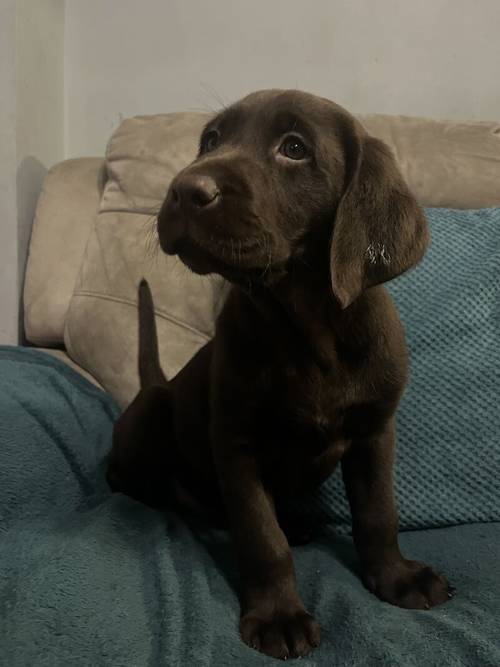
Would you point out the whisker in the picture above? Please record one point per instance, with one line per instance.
(203, 109)
(210, 90)
(151, 210)
(268, 252)
(151, 244)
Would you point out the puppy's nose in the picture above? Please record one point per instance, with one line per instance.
(195, 190)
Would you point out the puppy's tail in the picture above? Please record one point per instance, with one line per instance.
(150, 372)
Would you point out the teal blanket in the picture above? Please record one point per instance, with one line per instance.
(88, 579)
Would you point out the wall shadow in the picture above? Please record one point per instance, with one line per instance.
(29, 178)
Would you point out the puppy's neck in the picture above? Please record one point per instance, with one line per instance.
(303, 300)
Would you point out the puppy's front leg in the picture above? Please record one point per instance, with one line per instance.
(367, 471)
(273, 618)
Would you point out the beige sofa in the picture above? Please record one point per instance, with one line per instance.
(93, 237)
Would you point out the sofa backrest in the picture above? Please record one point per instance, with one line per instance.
(448, 164)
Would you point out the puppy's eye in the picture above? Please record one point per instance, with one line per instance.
(209, 141)
(293, 148)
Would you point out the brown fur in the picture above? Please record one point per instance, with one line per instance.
(309, 359)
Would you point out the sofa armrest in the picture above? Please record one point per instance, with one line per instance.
(65, 214)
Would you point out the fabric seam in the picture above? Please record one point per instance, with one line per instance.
(159, 313)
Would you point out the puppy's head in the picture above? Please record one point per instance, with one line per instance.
(284, 177)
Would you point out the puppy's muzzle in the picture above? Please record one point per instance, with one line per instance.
(192, 198)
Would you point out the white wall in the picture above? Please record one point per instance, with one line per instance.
(31, 133)
(40, 110)
(9, 286)
(424, 57)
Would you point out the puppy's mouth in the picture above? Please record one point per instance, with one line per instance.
(231, 258)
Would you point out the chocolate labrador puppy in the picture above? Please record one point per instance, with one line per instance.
(307, 216)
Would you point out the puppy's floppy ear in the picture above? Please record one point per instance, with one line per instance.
(380, 231)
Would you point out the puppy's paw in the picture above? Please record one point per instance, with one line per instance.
(287, 633)
(410, 584)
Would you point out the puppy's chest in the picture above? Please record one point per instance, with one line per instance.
(312, 402)
(308, 385)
